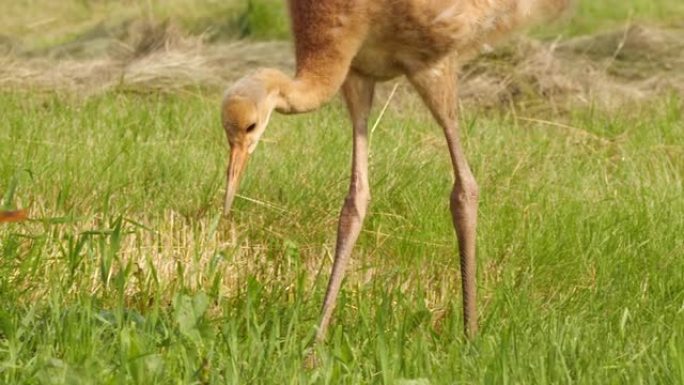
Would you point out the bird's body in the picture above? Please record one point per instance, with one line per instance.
(420, 33)
(389, 38)
(351, 45)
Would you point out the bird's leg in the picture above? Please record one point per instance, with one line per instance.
(437, 87)
(358, 95)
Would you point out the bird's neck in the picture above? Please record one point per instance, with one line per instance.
(327, 36)
(305, 92)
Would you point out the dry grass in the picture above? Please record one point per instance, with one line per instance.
(629, 64)
(34, 25)
(609, 68)
(149, 56)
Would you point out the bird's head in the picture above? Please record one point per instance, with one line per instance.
(245, 111)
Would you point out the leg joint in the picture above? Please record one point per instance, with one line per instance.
(465, 193)
(356, 202)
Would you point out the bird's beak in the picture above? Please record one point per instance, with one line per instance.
(238, 160)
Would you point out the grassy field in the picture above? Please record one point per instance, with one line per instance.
(127, 274)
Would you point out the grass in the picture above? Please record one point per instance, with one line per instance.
(38, 25)
(127, 274)
(592, 16)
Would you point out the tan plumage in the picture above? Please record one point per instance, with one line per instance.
(352, 44)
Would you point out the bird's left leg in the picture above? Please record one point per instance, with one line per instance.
(358, 95)
(437, 87)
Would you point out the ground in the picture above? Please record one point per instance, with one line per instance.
(126, 272)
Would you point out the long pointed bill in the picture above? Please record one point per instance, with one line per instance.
(238, 160)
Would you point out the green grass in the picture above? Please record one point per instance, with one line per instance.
(128, 275)
(592, 16)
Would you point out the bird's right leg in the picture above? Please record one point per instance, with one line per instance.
(437, 87)
(358, 95)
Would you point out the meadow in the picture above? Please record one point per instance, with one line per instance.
(127, 273)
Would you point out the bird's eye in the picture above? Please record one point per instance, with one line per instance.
(251, 127)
